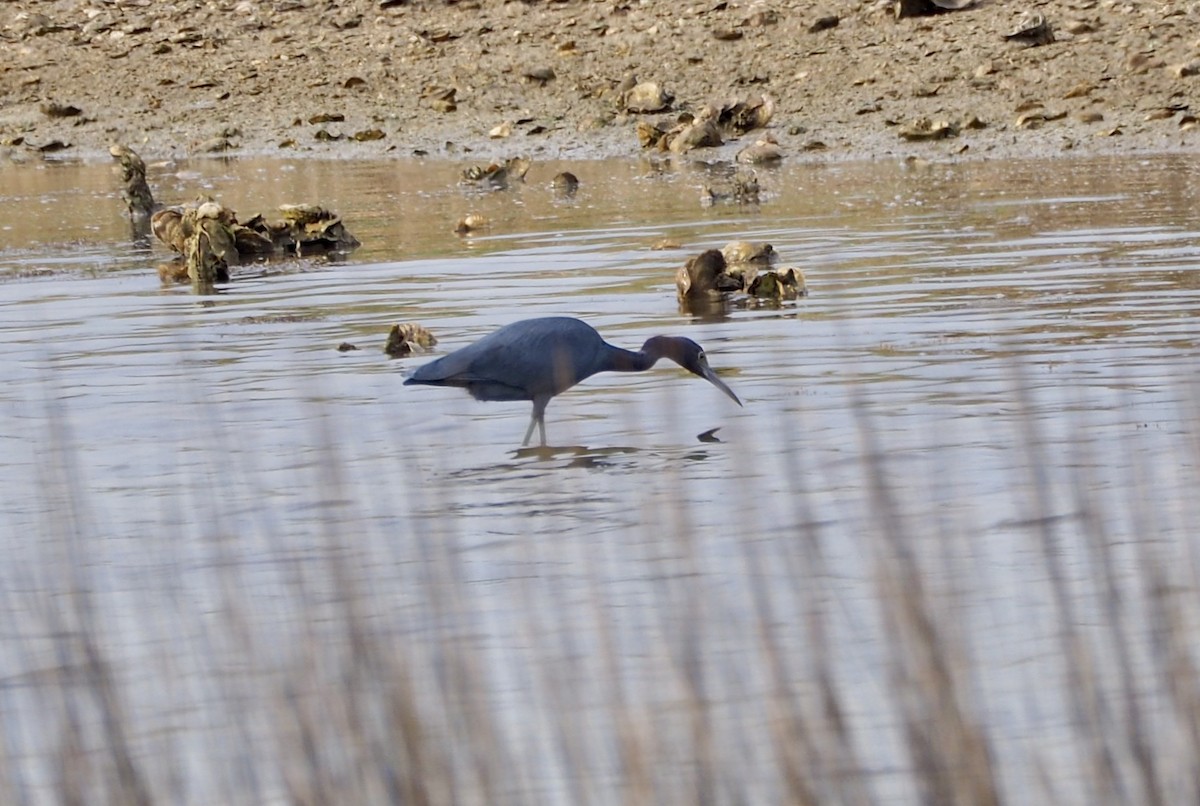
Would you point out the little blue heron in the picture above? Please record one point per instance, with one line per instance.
(536, 359)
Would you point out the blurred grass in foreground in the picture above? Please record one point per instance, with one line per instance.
(654, 668)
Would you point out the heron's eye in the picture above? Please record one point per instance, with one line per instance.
(700, 356)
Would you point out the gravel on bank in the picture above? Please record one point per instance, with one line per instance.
(547, 78)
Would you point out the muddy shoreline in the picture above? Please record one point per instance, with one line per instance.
(489, 79)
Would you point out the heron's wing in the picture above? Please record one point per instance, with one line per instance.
(474, 363)
(532, 359)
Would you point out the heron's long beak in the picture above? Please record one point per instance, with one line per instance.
(707, 374)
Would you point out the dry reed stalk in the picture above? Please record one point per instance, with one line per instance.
(1094, 723)
(951, 752)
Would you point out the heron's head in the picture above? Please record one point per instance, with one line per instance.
(687, 354)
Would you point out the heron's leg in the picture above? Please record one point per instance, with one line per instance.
(539, 419)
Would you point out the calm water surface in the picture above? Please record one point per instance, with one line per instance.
(1014, 340)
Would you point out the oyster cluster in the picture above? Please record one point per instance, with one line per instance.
(135, 190)
(739, 273)
(210, 238)
(408, 338)
(496, 175)
(711, 126)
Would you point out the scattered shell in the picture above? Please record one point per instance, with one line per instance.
(167, 226)
(250, 242)
(1029, 120)
(743, 260)
(539, 75)
(517, 167)
(919, 8)
(441, 99)
(1142, 62)
(925, 129)
(1187, 69)
(1033, 29)
(780, 284)
(408, 338)
(651, 135)
(501, 130)
(1188, 122)
(470, 222)
(627, 82)
(497, 174)
(210, 209)
(307, 228)
(134, 188)
(763, 150)
(704, 276)
(438, 35)
(697, 134)
(1091, 116)
(565, 183)
(210, 247)
(57, 110)
(762, 254)
(1034, 119)
(1081, 90)
(824, 24)
(48, 146)
(912, 8)
(738, 116)
(368, 135)
(646, 97)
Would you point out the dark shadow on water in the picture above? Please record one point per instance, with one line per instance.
(547, 458)
(536, 462)
(606, 458)
(576, 455)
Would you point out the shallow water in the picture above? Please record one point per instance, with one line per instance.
(1017, 341)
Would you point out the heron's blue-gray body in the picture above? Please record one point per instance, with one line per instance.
(524, 361)
(536, 359)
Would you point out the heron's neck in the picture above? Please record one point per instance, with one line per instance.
(620, 360)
